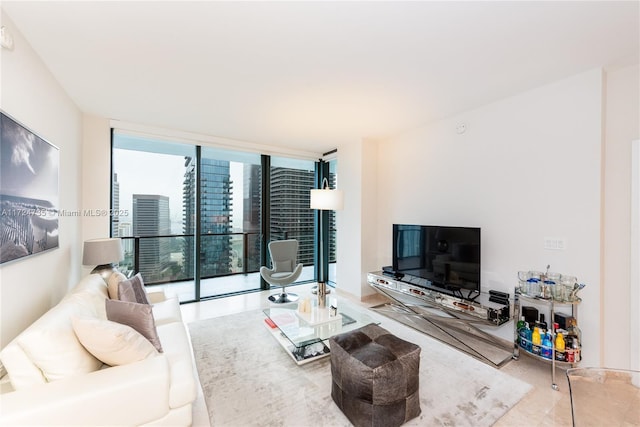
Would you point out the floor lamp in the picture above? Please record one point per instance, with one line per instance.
(324, 199)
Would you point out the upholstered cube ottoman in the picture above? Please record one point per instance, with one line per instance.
(375, 377)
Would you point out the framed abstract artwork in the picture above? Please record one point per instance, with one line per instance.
(29, 168)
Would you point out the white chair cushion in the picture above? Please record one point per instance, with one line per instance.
(278, 275)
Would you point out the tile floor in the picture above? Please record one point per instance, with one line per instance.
(542, 406)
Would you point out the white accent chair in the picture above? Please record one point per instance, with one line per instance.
(285, 269)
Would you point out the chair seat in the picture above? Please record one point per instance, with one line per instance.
(281, 274)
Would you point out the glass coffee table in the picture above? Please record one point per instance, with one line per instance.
(304, 335)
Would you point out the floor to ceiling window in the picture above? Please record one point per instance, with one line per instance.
(230, 203)
(147, 185)
(291, 218)
(197, 224)
(333, 183)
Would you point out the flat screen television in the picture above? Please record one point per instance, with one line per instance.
(444, 258)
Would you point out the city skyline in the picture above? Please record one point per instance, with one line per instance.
(231, 202)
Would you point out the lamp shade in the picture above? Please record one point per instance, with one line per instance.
(102, 251)
(327, 200)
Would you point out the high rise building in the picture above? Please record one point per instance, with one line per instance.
(151, 218)
(115, 205)
(251, 215)
(291, 217)
(124, 229)
(215, 214)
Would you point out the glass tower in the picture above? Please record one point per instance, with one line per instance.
(216, 207)
(151, 218)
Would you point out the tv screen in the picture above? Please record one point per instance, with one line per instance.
(445, 257)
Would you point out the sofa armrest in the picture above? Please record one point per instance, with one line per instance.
(156, 296)
(131, 394)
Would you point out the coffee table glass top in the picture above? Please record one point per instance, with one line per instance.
(303, 329)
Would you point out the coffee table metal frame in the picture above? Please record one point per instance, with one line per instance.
(306, 342)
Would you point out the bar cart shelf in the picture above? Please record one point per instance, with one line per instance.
(547, 306)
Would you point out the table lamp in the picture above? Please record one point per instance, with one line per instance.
(103, 253)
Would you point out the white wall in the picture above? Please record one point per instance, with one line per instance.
(96, 176)
(622, 127)
(357, 223)
(349, 231)
(32, 96)
(528, 167)
(634, 300)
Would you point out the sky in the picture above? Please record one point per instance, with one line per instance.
(163, 174)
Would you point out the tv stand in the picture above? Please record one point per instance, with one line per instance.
(448, 318)
(471, 295)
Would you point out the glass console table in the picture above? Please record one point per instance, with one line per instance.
(304, 335)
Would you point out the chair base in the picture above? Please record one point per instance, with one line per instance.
(283, 298)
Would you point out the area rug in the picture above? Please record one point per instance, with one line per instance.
(248, 380)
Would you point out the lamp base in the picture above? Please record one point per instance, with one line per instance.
(314, 290)
(105, 271)
(322, 295)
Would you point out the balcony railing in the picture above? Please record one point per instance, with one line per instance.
(171, 258)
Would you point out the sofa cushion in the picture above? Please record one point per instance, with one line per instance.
(51, 344)
(111, 342)
(132, 290)
(40, 353)
(138, 316)
(112, 283)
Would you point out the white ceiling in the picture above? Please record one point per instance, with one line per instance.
(313, 75)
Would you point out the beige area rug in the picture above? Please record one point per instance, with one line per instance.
(248, 379)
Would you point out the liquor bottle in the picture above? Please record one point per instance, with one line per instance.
(560, 347)
(574, 337)
(536, 340)
(522, 333)
(520, 324)
(547, 349)
(541, 323)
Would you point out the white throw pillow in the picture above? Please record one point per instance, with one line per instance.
(111, 342)
(115, 278)
(58, 354)
(51, 344)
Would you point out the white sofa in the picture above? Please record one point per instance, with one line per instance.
(51, 381)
